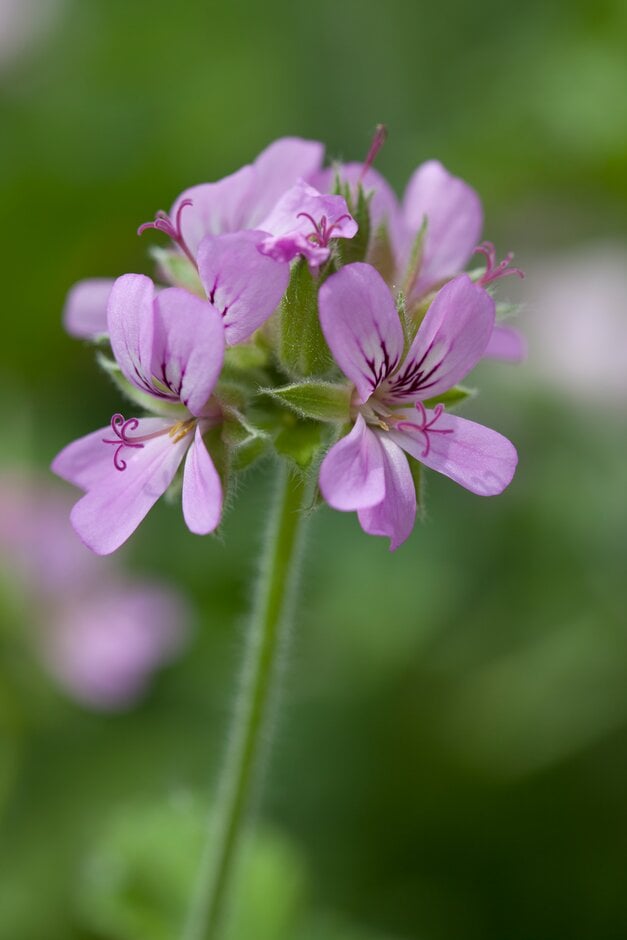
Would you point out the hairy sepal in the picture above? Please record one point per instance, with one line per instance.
(177, 270)
(349, 250)
(299, 440)
(303, 351)
(244, 442)
(320, 401)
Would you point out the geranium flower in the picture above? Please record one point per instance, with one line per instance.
(170, 347)
(453, 215)
(367, 471)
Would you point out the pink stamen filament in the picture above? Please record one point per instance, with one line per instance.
(378, 140)
(322, 231)
(494, 271)
(425, 427)
(163, 223)
(121, 427)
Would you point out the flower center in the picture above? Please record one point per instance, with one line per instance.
(163, 223)
(377, 414)
(494, 271)
(323, 230)
(121, 427)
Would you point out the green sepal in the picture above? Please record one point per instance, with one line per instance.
(454, 396)
(381, 255)
(300, 440)
(349, 250)
(245, 356)
(418, 476)
(505, 310)
(143, 400)
(415, 258)
(302, 347)
(178, 270)
(245, 442)
(321, 401)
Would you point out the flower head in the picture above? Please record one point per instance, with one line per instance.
(170, 347)
(367, 470)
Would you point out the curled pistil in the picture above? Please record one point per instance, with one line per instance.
(323, 231)
(426, 426)
(163, 223)
(120, 427)
(494, 271)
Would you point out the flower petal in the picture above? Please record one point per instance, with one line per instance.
(189, 346)
(449, 343)
(361, 325)
(202, 489)
(395, 515)
(352, 474)
(110, 512)
(89, 459)
(276, 169)
(171, 345)
(384, 205)
(217, 208)
(300, 221)
(130, 321)
(85, 311)
(481, 460)
(454, 223)
(506, 343)
(241, 283)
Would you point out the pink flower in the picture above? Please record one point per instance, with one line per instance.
(273, 197)
(303, 222)
(367, 471)
(171, 348)
(454, 218)
(239, 281)
(245, 198)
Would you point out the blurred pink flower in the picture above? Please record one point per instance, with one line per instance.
(578, 321)
(99, 634)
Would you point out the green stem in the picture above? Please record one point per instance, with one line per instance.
(268, 628)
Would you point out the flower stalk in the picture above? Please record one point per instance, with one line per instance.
(267, 633)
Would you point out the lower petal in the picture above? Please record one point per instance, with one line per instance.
(395, 515)
(110, 512)
(89, 459)
(507, 344)
(202, 490)
(352, 473)
(479, 459)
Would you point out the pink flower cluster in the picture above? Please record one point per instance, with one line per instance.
(402, 322)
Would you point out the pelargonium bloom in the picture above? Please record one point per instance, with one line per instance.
(170, 347)
(367, 470)
(272, 196)
(453, 214)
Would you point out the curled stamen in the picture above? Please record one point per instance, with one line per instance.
(120, 427)
(380, 135)
(494, 271)
(163, 223)
(322, 230)
(426, 427)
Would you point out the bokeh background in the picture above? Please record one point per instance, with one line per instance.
(452, 757)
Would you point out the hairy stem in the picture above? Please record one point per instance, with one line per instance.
(269, 625)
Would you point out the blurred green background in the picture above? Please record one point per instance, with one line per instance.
(451, 761)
